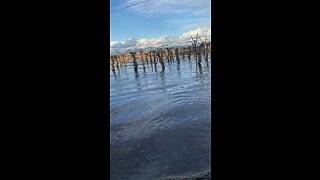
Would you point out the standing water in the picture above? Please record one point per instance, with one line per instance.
(160, 121)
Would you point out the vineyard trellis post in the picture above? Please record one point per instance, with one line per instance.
(199, 48)
(135, 64)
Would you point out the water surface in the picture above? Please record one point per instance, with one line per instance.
(160, 120)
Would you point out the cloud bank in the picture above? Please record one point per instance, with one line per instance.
(133, 43)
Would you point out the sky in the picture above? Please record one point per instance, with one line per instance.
(149, 21)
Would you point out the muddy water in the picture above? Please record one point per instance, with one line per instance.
(160, 121)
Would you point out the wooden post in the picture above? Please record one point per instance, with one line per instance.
(135, 64)
(146, 54)
(117, 60)
(194, 43)
(124, 60)
(150, 54)
(161, 60)
(154, 58)
(206, 52)
(189, 53)
(177, 55)
(183, 53)
(199, 54)
(142, 60)
(112, 63)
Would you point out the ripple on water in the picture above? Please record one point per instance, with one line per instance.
(160, 122)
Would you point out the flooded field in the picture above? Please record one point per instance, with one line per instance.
(160, 120)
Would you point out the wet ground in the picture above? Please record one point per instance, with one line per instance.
(160, 121)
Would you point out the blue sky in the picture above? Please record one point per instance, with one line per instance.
(155, 18)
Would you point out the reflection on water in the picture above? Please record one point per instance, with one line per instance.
(160, 121)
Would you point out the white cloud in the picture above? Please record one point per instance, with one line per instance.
(132, 43)
(202, 32)
(143, 43)
(128, 43)
(188, 20)
(114, 42)
(200, 7)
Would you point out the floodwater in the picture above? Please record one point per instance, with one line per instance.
(160, 121)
